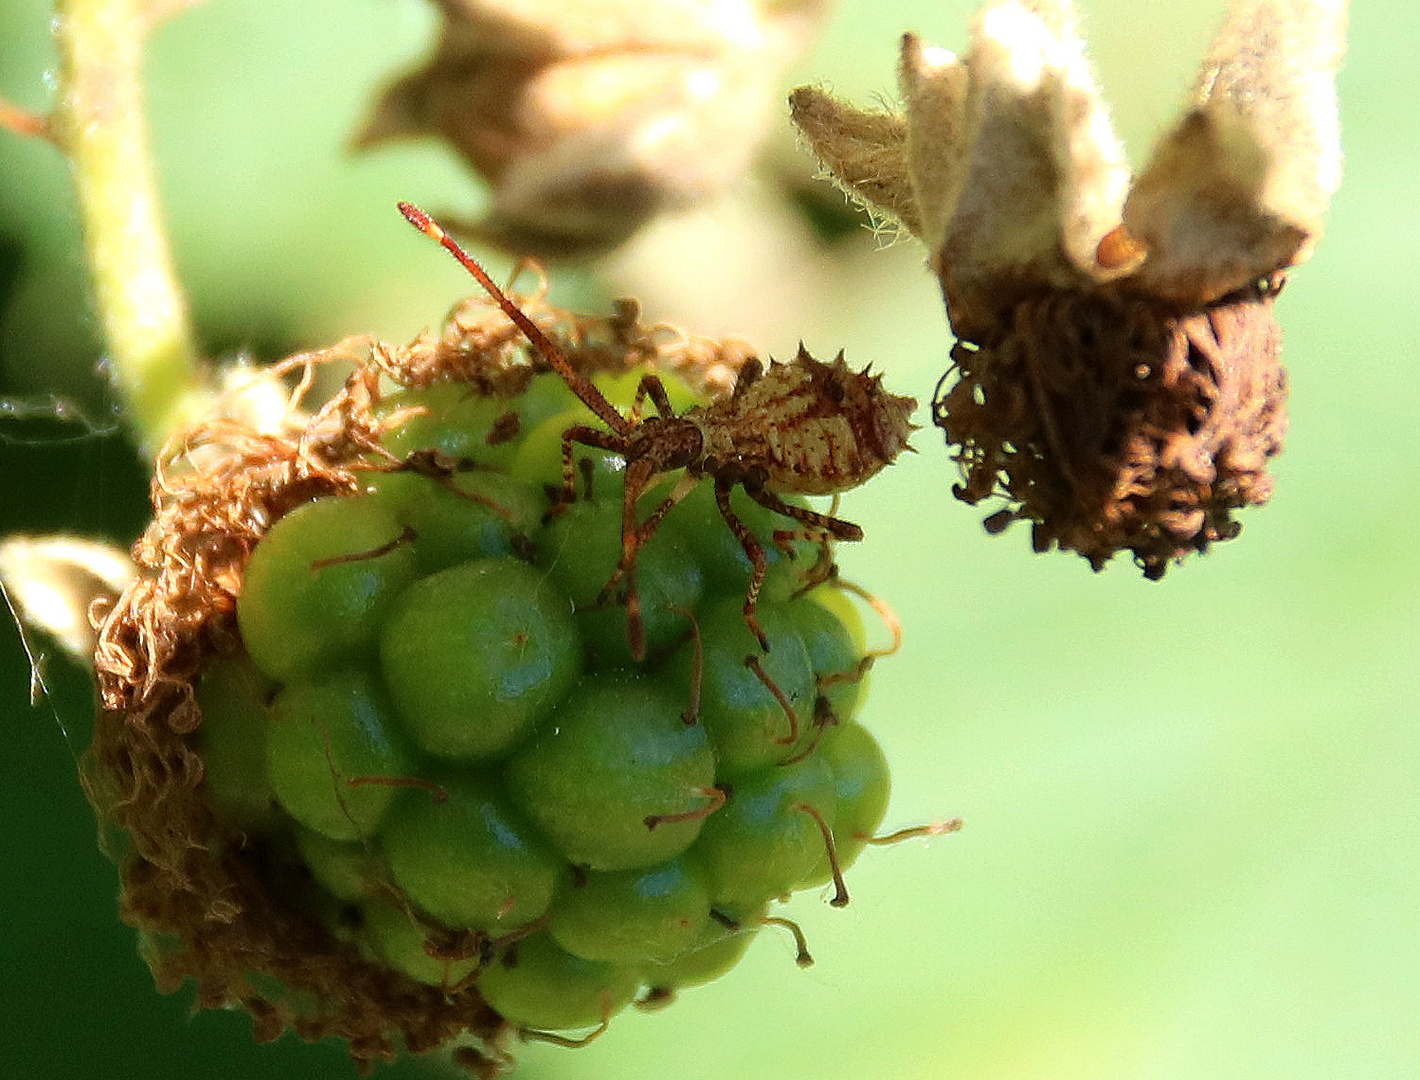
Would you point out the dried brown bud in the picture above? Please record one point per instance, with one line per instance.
(589, 117)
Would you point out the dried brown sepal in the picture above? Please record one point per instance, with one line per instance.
(1114, 422)
(219, 907)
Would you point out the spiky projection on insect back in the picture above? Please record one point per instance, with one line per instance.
(1117, 377)
(799, 428)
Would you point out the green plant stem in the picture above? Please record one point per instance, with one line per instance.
(99, 121)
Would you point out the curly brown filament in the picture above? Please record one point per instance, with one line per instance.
(533, 1034)
(438, 792)
(717, 797)
(802, 958)
(406, 536)
(840, 887)
(935, 828)
(752, 662)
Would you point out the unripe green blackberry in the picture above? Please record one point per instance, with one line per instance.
(433, 752)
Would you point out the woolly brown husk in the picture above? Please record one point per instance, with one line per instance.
(214, 905)
(1113, 423)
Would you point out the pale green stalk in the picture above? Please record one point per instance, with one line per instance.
(99, 122)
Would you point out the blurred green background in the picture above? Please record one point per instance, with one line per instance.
(1192, 843)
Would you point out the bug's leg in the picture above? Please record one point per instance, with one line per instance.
(569, 472)
(684, 486)
(638, 476)
(818, 528)
(824, 568)
(639, 401)
(753, 549)
(652, 387)
(580, 385)
(588, 471)
(834, 527)
(586, 436)
(785, 539)
(647, 528)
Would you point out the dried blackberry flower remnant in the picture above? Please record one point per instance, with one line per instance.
(587, 118)
(1117, 375)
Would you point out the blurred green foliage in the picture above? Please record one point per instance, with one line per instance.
(1192, 821)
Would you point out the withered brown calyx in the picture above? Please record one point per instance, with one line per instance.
(1117, 377)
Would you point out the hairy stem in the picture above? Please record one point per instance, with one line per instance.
(99, 122)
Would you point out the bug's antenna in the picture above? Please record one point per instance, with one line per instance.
(580, 384)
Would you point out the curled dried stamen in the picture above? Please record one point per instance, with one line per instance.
(889, 619)
(935, 828)
(801, 943)
(438, 792)
(717, 797)
(406, 536)
(840, 887)
(508, 942)
(535, 1035)
(752, 662)
(824, 718)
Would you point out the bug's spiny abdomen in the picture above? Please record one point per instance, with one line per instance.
(814, 428)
